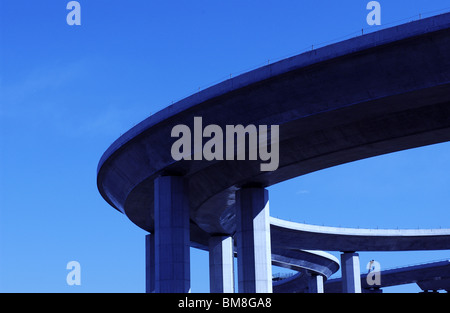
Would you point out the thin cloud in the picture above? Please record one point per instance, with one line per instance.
(19, 96)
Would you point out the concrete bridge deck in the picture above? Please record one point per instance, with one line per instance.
(428, 276)
(379, 93)
(303, 236)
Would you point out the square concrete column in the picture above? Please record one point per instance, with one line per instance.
(253, 241)
(172, 243)
(315, 283)
(150, 263)
(221, 264)
(351, 272)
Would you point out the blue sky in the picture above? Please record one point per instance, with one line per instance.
(67, 92)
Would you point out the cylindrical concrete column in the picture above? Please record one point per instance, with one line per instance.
(150, 263)
(315, 283)
(351, 272)
(221, 264)
(172, 244)
(253, 240)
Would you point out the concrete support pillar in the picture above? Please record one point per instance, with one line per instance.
(221, 264)
(351, 272)
(253, 241)
(150, 263)
(315, 283)
(172, 244)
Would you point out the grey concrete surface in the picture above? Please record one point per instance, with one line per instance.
(253, 241)
(221, 264)
(150, 274)
(351, 282)
(172, 244)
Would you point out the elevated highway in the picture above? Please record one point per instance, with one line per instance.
(431, 276)
(375, 94)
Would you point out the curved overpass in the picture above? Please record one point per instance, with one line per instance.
(317, 262)
(306, 263)
(379, 93)
(428, 276)
(291, 235)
